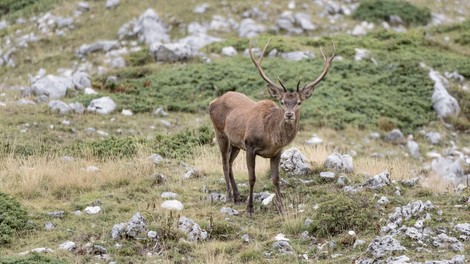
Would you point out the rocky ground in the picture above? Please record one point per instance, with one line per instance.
(411, 188)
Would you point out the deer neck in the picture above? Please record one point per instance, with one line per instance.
(283, 132)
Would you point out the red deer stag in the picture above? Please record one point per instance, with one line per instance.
(260, 128)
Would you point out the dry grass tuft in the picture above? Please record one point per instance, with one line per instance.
(41, 176)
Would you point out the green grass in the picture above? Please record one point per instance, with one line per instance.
(381, 10)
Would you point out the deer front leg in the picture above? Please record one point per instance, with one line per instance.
(236, 195)
(274, 161)
(225, 154)
(250, 162)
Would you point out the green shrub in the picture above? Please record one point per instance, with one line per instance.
(463, 39)
(182, 144)
(139, 58)
(18, 8)
(381, 10)
(340, 212)
(109, 148)
(13, 218)
(33, 258)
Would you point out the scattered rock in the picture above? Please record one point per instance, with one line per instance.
(229, 211)
(294, 163)
(171, 195)
(173, 205)
(102, 45)
(444, 241)
(68, 246)
(383, 246)
(338, 162)
(283, 247)
(171, 52)
(192, 229)
(433, 137)
(327, 175)
(449, 170)
(216, 197)
(91, 210)
(229, 51)
(111, 4)
(103, 105)
(395, 137)
(249, 28)
(378, 181)
(443, 103)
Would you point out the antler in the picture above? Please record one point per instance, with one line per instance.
(260, 70)
(325, 68)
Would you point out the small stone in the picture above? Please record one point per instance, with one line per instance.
(268, 199)
(171, 195)
(229, 211)
(328, 175)
(173, 205)
(91, 210)
(68, 246)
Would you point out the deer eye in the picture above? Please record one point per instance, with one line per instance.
(282, 102)
(299, 103)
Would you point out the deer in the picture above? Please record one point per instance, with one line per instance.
(259, 128)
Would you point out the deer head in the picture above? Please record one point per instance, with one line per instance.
(290, 101)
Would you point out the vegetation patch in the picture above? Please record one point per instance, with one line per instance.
(341, 212)
(17, 8)
(381, 10)
(33, 258)
(13, 218)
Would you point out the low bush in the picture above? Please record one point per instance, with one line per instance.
(381, 10)
(33, 258)
(341, 212)
(13, 218)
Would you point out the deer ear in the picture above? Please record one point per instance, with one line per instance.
(274, 92)
(306, 93)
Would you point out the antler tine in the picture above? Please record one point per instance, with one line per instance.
(298, 84)
(260, 70)
(283, 87)
(326, 67)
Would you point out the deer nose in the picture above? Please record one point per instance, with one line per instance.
(289, 114)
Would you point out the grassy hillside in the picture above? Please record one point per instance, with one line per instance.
(47, 160)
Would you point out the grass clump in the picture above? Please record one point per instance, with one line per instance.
(33, 258)
(17, 8)
(182, 144)
(381, 10)
(109, 148)
(13, 218)
(341, 212)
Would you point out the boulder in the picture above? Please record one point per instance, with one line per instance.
(193, 230)
(395, 137)
(248, 28)
(198, 41)
(384, 246)
(338, 162)
(378, 181)
(450, 170)
(54, 87)
(102, 45)
(443, 103)
(103, 105)
(294, 163)
(60, 107)
(81, 80)
(149, 28)
(171, 52)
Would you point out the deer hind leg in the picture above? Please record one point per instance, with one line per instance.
(250, 162)
(233, 154)
(225, 149)
(274, 162)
